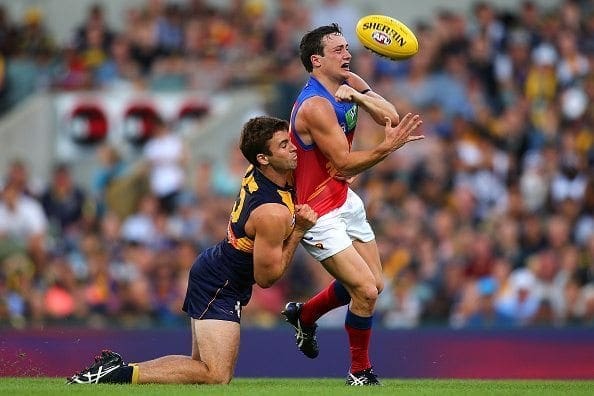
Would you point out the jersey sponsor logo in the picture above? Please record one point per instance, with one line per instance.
(351, 117)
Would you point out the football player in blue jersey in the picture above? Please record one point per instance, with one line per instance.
(264, 230)
(323, 125)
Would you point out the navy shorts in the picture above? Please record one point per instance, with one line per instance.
(212, 296)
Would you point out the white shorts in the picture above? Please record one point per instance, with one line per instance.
(337, 229)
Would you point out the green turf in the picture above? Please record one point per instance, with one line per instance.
(309, 386)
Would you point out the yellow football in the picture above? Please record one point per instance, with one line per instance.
(387, 37)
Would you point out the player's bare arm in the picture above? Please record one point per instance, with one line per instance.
(325, 131)
(375, 105)
(305, 218)
(273, 250)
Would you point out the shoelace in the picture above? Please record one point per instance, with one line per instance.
(358, 380)
(97, 359)
(300, 333)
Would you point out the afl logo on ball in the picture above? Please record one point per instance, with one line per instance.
(381, 38)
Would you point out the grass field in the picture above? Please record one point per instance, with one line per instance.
(306, 386)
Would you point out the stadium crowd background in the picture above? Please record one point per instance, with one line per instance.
(488, 222)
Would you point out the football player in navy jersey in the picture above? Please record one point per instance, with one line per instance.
(264, 229)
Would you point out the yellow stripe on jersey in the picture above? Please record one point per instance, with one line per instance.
(244, 244)
(250, 182)
(287, 200)
(318, 190)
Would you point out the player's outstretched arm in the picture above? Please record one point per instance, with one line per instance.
(330, 139)
(272, 253)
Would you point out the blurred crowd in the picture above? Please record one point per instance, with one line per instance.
(487, 222)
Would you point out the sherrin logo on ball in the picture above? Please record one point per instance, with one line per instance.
(387, 37)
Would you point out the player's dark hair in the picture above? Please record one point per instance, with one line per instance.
(256, 135)
(311, 43)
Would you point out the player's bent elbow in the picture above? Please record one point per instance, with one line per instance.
(264, 285)
(343, 170)
(265, 281)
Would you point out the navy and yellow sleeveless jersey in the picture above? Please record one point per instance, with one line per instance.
(256, 189)
(232, 259)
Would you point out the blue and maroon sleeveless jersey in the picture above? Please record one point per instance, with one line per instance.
(314, 179)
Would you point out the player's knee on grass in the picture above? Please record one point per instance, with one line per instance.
(219, 377)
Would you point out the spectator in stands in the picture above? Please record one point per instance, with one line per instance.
(519, 301)
(511, 66)
(285, 65)
(487, 24)
(145, 49)
(227, 173)
(167, 157)
(98, 283)
(569, 182)
(573, 66)
(339, 11)
(94, 54)
(169, 74)
(74, 73)
(20, 77)
(140, 227)
(95, 22)
(34, 38)
(66, 205)
(23, 225)
(17, 175)
(169, 28)
(7, 32)
(21, 302)
(402, 301)
(111, 167)
(476, 307)
(167, 292)
(119, 70)
(584, 226)
(62, 298)
(187, 222)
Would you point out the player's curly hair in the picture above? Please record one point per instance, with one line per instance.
(256, 135)
(311, 43)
